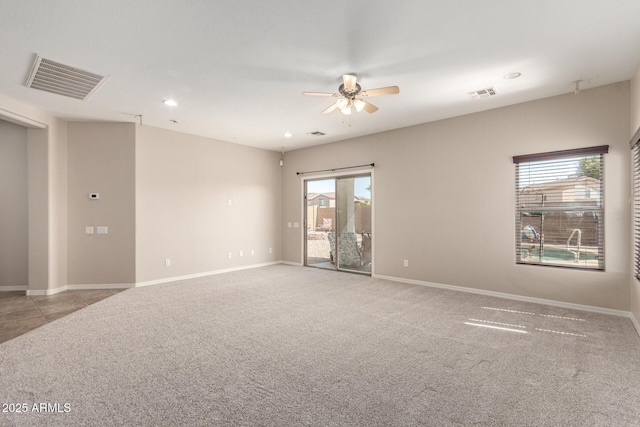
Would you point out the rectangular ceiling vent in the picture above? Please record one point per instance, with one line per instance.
(61, 79)
(316, 133)
(483, 93)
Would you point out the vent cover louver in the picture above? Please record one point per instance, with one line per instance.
(61, 79)
(483, 93)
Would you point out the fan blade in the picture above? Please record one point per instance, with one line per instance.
(349, 82)
(369, 107)
(391, 90)
(330, 109)
(320, 94)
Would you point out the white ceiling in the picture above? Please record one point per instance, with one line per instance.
(237, 67)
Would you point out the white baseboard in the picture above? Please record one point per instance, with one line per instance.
(48, 292)
(203, 274)
(96, 286)
(513, 297)
(100, 286)
(45, 292)
(13, 288)
(295, 264)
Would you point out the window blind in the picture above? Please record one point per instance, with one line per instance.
(636, 207)
(560, 208)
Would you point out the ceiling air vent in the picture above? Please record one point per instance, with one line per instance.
(316, 133)
(65, 80)
(483, 93)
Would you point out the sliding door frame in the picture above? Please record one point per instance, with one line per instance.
(303, 210)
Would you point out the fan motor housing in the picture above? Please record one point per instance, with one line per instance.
(349, 93)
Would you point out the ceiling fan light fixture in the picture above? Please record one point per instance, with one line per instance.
(347, 93)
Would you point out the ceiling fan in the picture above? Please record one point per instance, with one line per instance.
(349, 91)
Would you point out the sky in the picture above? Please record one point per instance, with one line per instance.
(328, 186)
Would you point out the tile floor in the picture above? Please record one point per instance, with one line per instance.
(20, 313)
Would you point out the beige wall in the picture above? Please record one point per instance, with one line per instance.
(430, 178)
(635, 101)
(13, 206)
(184, 183)
(58, 204)
(183, 187)
(101, 159)
(635, 123)
(46, 193)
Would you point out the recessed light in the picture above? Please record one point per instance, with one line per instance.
(170, 102)
(510, 76)
(287, 134)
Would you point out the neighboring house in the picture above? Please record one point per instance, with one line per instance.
(328, 200)
(325, 200)
(581, 189)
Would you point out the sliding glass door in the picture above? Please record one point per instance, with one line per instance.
(338, 223)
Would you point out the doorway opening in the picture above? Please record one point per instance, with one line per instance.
(338, 232)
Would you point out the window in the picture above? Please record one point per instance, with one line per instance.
(560, 208)
(635, 146)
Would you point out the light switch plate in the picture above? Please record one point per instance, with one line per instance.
(102, 230)
(88, 230)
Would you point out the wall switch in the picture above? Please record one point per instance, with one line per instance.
(406, 263)
(270, 250)
(230, 202)
(167, 263)
(94, 196)
(102, 229)
(240, 253)
(288, 225)
(88, 230)
(230, 255)
(253, 252)
(296, 225)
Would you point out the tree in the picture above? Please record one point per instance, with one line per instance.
(365, 202)
(589, 166)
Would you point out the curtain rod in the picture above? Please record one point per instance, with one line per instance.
(336, 169)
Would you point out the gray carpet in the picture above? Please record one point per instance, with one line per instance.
(283, 345)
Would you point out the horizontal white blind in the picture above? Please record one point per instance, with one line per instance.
(560, 209)
(636, 207)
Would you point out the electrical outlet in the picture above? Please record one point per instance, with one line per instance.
(253, 252)
(240, 253)
(406, 263)
(167, 263)
(230, 254)
(270, 250)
